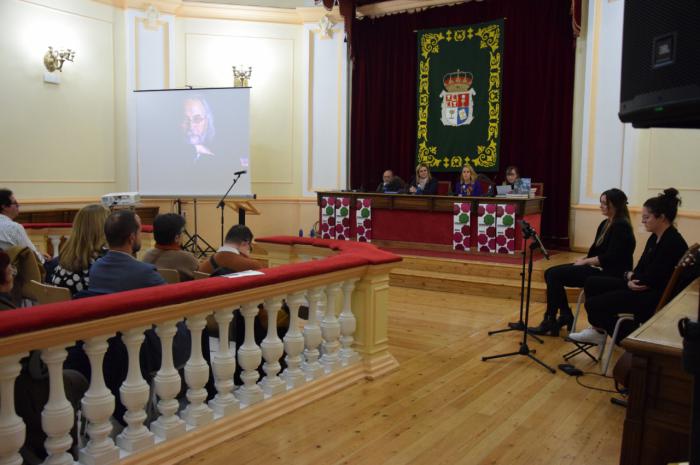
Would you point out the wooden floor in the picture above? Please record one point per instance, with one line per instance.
(444, 405)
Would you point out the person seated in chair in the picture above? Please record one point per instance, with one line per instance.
(512, 176)
(423, 183)
(86, 244)
(391, 183)
(12, 233)
(7, 280)
(234, 255)
(609, 255)
(638, 291)
(168, 253)
(468, 184)
(118, 270)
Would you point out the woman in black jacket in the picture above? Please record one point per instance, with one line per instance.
(638, 291)
(610, 255)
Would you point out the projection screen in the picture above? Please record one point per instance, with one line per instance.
(190, 142)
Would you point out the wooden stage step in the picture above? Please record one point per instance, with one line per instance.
(474, 277)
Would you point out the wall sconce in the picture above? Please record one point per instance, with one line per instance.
(54, 59)
(240, 78)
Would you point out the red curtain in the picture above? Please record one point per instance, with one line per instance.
(537, 99)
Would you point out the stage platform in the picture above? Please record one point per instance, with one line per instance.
(486, 275)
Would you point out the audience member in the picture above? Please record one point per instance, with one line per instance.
(7, 280)
(86, 244)
(168, 253)
(391, 183)
(118, 270)
(468, 183)
(609, 255)
(512, 175)
(423, 183)
(234, 255)
(12, 233)
(638, 291)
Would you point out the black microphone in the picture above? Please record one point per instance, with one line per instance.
(238, 173)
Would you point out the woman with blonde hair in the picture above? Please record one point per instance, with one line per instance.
(423, 183)
(468, 185)
(86, 244)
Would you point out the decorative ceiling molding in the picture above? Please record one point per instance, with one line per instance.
(391, 7)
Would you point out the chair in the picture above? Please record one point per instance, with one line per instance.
(169, 275)
(443, 188)
(540, 188)
(200, 275)
(45, 293)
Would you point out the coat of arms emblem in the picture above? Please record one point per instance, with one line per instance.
(457, 98)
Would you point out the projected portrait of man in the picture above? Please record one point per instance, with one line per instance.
(198, 126)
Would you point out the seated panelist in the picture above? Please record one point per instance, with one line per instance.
(638, 291)
(423, 183)
(468, 185)
(512, 176)
(391, 183)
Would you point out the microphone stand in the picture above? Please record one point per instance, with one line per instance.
(222, 204)
(528, 232)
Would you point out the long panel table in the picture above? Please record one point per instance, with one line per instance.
(426, 221)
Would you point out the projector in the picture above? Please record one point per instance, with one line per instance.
(121, 199)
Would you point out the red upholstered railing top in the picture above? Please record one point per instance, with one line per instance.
(352, 254)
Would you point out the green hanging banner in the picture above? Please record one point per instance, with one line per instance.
(459, 96)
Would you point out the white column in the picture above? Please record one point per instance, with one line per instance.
(312, 336)
(134, 393)
(58, 415)
(223, 365)
(330, 329)
(294, 343)
(12, 428)
(249, 356)
(348, 324)
(197, 412)
(98, 406)
(55, 243)
(272, 350)
(167, 381)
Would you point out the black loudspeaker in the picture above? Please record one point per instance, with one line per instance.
(661, 64)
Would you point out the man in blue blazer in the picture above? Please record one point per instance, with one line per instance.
(118, 270)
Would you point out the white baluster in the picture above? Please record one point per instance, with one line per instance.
(197, 412)
(134, 393)
(294, 343)
(55, 243)
(272, 350)
(58, 415)
(249, 357)
(167, 381)
(312, 336)
(348, 324)
(12, 428)
(330, 329)
(98, 405)
(223, 365)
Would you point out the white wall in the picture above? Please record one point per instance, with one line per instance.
(608, 153)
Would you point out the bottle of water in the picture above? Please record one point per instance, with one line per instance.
(301, 232)
(312, 233)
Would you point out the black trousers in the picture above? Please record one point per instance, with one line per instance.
(570, 275)
(607, 297)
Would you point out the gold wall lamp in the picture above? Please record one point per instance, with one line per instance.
(54, 59)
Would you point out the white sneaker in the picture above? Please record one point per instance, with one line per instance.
(589, 336)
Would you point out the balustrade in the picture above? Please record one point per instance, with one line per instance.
(178, 415)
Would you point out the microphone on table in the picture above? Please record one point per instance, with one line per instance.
(238, 173)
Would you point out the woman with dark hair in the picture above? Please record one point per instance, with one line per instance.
(512, 175)
(610, 255)
(638, 291)
(7, 279)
